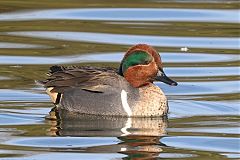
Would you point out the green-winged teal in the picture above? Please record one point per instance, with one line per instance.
(128, 91)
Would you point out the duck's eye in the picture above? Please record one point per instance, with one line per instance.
(146, 62)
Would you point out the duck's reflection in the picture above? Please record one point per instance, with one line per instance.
(140, 137)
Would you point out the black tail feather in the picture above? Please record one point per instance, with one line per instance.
(55, 68)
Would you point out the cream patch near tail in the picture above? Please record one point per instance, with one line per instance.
(53, 95)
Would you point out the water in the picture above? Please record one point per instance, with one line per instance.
(199, 44)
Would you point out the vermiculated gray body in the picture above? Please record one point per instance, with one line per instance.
(107, 102)
(102, 91)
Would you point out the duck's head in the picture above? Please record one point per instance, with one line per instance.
(142, 65)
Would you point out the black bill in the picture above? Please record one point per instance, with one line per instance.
(161, 76)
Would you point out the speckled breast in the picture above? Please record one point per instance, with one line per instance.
(152, 102)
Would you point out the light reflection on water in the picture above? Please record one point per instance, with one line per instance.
(180, 58)
(20, 45)
(127, 14)
(204, 107)
(190, 42)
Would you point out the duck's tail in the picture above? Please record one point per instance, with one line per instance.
(52, 70)
(55, 68)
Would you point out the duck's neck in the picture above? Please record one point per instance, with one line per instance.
(120, 71)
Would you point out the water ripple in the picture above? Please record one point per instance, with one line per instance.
(126, 14)
(116, 57)
(203, 143)
(21, 45)
(189, 108)
(161, 41)
(63, 142)
(202, 72)
(21, 95)
(225, 130)
(202, 88)
(71, 156)
(18, 119)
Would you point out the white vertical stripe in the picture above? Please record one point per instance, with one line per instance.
(125, 105)
(127, 126)
(123, 149)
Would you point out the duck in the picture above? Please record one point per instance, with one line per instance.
(128, 91)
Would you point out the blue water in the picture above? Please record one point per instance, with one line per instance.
(199, 45)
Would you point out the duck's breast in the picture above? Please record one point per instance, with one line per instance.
(151, 102)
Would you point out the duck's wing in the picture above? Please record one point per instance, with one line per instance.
(92, 79)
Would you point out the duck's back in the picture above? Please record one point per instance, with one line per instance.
(90, 90)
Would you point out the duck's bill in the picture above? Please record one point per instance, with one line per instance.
(161, 76)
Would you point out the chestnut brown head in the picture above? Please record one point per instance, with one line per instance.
(142, 65)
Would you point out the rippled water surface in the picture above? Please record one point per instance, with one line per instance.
(199, 44)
